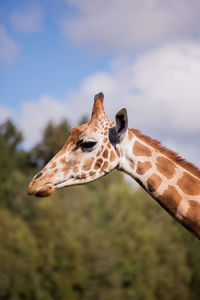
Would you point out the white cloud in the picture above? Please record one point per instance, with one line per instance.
(5, 113)
(168, 80)
(8, 47)
(160, 90)
(118, 25)
(27, 20)
(35, 115)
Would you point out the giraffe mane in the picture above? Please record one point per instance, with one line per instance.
(169, 153)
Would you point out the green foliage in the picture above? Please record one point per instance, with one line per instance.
(100, 241)
(10, 136)
(15, 170)
(54, 137)
(59, 266)
(84, 120)
(18, 259)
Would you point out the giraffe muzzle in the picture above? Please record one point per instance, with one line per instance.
(46, 191)
(43, 191)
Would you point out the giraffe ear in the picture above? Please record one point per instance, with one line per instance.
(116, 134)
(121, 122)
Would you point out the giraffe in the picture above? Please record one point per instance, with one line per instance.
(94, 149)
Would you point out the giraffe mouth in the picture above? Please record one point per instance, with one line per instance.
(75, 180)
(45, 191)
(49, 188)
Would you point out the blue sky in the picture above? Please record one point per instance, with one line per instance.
(144, 55)
(47, 62)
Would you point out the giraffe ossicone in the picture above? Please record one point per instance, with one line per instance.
(94, 149)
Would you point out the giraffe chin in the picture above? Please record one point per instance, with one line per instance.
(45, 191)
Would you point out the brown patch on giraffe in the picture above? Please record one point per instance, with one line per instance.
(192, 219)
(105, 133)
(73, 163)
(105, 140)
(83, 176)
(109, 146)
(105, 154)
(169, 153)
(141, 150)
(65, 171)
(166, 167)
(132, 164)
(112, 156)
(143, 167)
(101, 172)
(87, 164)
(100, 150)
(53, 165)
(75, 170)
(92, 174)
(130, 135)
(117, 151)
(170, 199)
(105, 165)
(98, 163)
(55, 171)
(189, 184)
(153, 182)
(62, 160)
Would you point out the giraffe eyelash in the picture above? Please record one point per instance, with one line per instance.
(87, 146)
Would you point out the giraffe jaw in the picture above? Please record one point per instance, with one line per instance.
(77, 180)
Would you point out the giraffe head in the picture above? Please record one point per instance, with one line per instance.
(91, 151)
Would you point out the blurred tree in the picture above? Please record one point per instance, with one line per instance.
(99, 241)
(18, 259)
(83, 120)
(60, 265)
(14, 169)
(54, 138)
(192, 247)
(10, 136)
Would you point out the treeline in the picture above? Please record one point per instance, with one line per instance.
(102, 241)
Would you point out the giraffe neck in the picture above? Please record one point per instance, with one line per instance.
(171, 181)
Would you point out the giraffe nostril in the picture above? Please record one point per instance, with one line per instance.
(38, 176)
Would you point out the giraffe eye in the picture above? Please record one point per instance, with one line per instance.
(88, 146)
